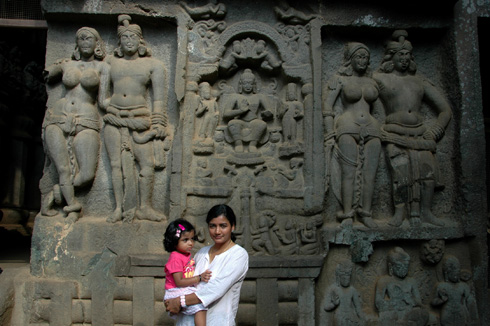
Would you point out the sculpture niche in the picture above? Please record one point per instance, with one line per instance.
(71, 126)
(355, 135)
(134, 133)
(411, 141)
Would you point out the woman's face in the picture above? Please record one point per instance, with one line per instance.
(86, 43)
(220, 229)
(360, 60)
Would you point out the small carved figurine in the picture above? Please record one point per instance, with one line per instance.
(207, 111)
(411, 141)
(343, 299)
(455, 297)
(261, 240)
(292, 113)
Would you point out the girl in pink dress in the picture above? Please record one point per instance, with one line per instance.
(179, 270)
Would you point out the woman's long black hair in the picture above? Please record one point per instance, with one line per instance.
(227, 212)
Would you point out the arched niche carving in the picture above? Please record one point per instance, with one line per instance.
(247, 28)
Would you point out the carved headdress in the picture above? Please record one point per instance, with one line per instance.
(124, 26)
(399, 42)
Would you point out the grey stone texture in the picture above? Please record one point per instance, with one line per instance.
(353, 185)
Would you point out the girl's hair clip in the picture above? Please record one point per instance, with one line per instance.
(179, 230)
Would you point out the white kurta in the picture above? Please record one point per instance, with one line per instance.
(222, 293)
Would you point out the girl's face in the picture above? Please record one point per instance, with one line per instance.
(186, 242)
(220, 230)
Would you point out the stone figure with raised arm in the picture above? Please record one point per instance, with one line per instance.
(343, 299)
(71, 126)
(245, 119)
(397, 295)
(134, 127)
(411, 140)
(454, 296)
(355, 131)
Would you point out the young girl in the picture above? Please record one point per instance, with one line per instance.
(179, 270)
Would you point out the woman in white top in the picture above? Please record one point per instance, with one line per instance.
(228, 263)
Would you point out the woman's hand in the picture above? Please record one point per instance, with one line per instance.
(173, 305)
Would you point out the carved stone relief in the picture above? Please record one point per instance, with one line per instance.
(323, 145)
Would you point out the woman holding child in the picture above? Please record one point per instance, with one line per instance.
(228, 263)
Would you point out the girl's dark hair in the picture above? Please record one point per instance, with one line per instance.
(174, 231)
(227, 212)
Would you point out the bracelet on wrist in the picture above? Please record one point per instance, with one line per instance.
(182, 301)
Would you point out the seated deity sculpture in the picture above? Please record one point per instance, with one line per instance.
(246, 126)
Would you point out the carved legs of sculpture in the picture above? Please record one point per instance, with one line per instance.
(358, 165)
(413, 176)
(145, 158)
(86, 149)
(113, 146)
(59, 152)
(145, 210)
(372, 149)
(427, 194)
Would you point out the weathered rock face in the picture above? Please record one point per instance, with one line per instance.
(343, 135)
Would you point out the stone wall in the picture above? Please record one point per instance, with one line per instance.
(355, 169)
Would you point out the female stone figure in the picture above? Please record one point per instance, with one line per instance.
(71, 127)
(356, 132)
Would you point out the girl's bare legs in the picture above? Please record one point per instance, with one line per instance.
(200, 318)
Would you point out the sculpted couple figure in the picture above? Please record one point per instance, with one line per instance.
(134, 127)
(410, 140)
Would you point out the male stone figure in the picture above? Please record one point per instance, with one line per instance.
(411, 141)
(134, 128)
(397, 296)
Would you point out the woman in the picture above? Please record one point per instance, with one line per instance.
(356, 132)
(71, 127)
(228, 263)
